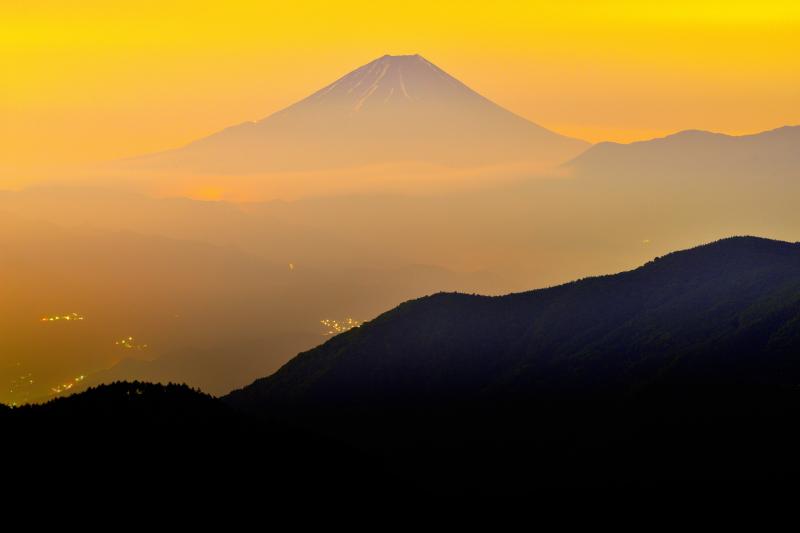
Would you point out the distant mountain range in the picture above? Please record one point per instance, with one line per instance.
(395, 109)
(697, 155)
(400, 124)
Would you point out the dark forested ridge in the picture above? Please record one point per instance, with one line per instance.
(128, 407)
(686, 368)
(169, 441)
(727, 312)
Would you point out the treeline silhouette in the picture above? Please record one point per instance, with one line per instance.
(165, 438)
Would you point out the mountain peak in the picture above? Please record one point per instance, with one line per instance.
(390, 81)
(394, 109)
(400, 56)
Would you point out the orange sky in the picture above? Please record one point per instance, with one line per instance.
(91, 80)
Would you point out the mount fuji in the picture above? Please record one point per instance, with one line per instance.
(395, 109)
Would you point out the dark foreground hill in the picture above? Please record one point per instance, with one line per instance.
(688, 367)
(169, 444)
(725, 313)
(684, 369)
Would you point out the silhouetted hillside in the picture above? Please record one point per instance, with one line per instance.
(684, 368)
(722, 312)
(171, 440)
(128, 406)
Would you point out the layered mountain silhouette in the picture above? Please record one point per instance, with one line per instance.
(685, 368)
(698, 155)
(395, 109)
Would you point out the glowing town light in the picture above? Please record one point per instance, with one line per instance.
(72, 317)
(129, 344)
(335, 327)
(58, 389)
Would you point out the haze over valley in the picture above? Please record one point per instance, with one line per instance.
(218, 293)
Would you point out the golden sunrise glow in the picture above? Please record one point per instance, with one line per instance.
(87, 81)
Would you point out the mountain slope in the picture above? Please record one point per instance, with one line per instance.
(697, 154)
(391, 110)
(727, 312)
